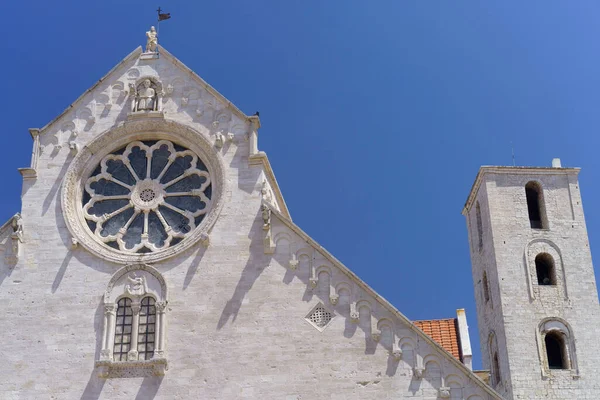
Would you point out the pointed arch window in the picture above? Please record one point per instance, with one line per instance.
(544, 268)
(535, 205)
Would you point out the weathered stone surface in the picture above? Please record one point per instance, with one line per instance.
(237, 309)
(518, 306)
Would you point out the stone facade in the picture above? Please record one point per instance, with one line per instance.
(515, 309)
(255, 308)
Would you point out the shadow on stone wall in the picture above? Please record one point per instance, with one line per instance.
(255, 265)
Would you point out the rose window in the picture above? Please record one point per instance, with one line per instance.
(147, 196)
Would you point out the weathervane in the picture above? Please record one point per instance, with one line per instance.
(152, 34)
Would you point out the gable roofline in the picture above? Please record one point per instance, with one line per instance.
(163, 52)
(490, 169)
(210, 89)
(130, 56)
(387, 305)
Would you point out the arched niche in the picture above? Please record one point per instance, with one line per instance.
(544, 249)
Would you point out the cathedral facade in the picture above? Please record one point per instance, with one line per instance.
(154, 257)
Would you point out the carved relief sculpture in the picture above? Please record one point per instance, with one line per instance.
(146, 96)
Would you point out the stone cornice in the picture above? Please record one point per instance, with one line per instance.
(383, 302)
(261, 158)
(486, 169)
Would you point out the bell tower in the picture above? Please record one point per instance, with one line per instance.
(535, 290)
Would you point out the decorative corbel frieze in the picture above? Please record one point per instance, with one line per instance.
(269, 244)
(230, 137)
(396, 351)
(354, 315)
(333, 296)
(293, 264)
(444, 392)
(418, 372)
(419, 368)
(375, 334)
(313, 281)
(73, 147)
(219, 140)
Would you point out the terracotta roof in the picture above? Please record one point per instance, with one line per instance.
(444, 332)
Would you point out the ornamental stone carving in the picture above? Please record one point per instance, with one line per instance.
(131, 201)
(146, 95)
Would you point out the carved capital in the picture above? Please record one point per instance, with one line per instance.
(110, 308)
(161, 306)
(136, 307)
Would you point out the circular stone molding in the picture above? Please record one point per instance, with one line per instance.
(147, 196)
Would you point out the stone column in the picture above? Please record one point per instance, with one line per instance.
(132, 355)
(108, 332)
(159, 351)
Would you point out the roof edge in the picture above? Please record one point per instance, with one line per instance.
(203, 83)
(393, 310)
(135, 52)
(487, 169)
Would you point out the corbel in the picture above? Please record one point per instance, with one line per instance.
(375, 331)
(354, 315)
(313, 280)
(333, 296)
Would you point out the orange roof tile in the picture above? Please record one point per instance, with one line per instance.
(444, 332)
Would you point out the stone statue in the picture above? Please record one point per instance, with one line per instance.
(146, 96)
(151, 40)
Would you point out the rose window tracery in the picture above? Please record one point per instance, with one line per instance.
(147, 196)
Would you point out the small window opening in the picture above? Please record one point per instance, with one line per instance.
(535, 204)
(496, 369)
(544, 267)
(486, 288)
(479, 226)
(556, 351)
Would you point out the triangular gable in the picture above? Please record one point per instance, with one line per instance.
(253, 122)
(383, 302)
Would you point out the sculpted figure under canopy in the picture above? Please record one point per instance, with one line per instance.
(151, 40)
(146, 96)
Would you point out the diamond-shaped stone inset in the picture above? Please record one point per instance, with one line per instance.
(320, 317)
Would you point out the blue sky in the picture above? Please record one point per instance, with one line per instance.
(376, 115)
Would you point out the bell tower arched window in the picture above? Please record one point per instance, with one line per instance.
(535, 205)
(556, 351)
(544, 268)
